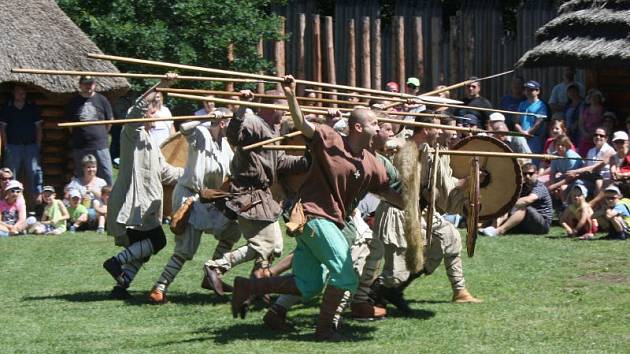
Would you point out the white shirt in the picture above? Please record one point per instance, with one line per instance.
(593, 153)
(161, 130)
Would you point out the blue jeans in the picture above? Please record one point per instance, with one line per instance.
(26, 157)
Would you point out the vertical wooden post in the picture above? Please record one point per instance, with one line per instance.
(352, 54)
(330, 53)
(317, 53)
(453, 64)
(419, 49)
(279, 52)
(436, 29)
(260, 52)
(469, 52)
(400, 50)
(301, 50)
(365, 62)
(230, 58)
(378, 68)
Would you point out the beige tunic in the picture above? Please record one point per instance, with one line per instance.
(136, 198)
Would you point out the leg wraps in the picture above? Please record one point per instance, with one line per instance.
(130, 270)
(135, 252)
(238, 256)
(169, 273)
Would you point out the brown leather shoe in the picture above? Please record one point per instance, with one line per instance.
(157, 297)
(365, 311)
(214, 279)
(205, 284)
(462, 296)
(276, 319)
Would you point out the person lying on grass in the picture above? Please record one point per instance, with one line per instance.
(12, 210)
(55, 215)
(617, 213)
(577, 219)
(78, 212)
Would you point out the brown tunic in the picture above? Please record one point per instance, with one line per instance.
(254, 171)
(337, 178)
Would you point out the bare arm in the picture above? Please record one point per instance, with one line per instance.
(306, 127)
(523, 202)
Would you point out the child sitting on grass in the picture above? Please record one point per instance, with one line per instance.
(577, 219)
(54, 217)
(617, 213)
(12, 210)
(78, 212)
(100, 207)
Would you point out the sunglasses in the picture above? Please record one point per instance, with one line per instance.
(612, 198)
(599, 135)
(6, 178)
(529, 173)
(16, 191)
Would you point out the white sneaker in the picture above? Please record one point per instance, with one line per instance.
(489, 231)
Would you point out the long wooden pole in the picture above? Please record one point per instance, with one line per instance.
(378, 55)
(330, 52)
(230, 59)
(322, 111)
(352, 59)
(317, 50)
(272, 140)
(400, 50)
(279, 49)
(128, 75)
(365, 62)
(260, 88)
(419, 46)
(301, 50)
(138, 120)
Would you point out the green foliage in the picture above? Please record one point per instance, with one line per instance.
(546, 294)
(195, 32)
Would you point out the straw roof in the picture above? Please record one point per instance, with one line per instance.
(38, 34)
(587, 34)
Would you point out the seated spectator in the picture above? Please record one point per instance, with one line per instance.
(78, 212)
(617, 214)
(560, 167)
(6, 175)
(12, 210)
(531, 213)
(100, 207)
(516, 143)
(556, 129)
(610, 122)
(89, 185)
(595, 174)
(55, 215)
(577, 219)
(591, 118)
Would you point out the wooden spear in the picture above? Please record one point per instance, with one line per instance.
(272, 140)
(128, 75)
(138, 120)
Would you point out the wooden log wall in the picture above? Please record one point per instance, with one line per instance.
(438, 50)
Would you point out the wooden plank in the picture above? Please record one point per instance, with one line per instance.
(436, 29)
(352, 52)
(279, 55)
(378, 56)
(400, 50)
(453, 51)
(419, 49)
(330, 54)
(317, 53)
(366, 80)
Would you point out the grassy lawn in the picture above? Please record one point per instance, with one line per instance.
(543, 295)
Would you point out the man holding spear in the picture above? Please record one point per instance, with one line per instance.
(135, 203)
(342, 170)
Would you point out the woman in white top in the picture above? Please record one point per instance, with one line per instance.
(89, 185)
(160, 131)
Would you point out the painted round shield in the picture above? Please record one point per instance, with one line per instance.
(501, 179)
(175, 151)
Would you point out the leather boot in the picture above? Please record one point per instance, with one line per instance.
(325, 330)
(205, 284)
(244, 288)
(365, 311)
(276, 319)
(395, 297)
(462, 296)
(157, 297)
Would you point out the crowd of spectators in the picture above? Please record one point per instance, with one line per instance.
(583, 195)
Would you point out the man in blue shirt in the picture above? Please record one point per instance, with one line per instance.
(22, 131)
(529, 124)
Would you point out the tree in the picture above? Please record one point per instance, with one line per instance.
(194, 32)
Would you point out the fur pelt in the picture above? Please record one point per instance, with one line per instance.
(407, 161)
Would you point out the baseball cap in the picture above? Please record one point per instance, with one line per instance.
(50, 189)
(86, 79)
(531, 84)
(496, 117)
(472, 119)
(614, 189)
(582, 189)
(392, 86)
(620, 135)
(413, 81)
(75, 194)
(14, 184)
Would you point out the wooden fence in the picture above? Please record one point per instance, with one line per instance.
(418, 40)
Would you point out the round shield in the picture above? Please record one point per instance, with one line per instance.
(175, 151)
(500, 181)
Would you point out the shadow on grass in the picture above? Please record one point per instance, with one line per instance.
(416, 314)
(305, 326)
(137, 298)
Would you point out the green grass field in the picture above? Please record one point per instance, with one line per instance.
(543, 295)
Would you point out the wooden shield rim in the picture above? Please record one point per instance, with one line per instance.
(517, 172)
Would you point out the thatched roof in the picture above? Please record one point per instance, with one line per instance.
(38, 34)
(586, 34)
